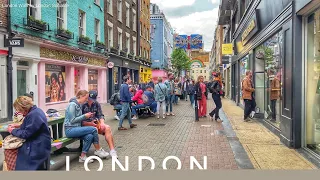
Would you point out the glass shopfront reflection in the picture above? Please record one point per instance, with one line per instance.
(312, 79)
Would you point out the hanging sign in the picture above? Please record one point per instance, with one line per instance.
(16, 42)
(110, 64)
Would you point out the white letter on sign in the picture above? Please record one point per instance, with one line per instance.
(164, 163)
(146, 158)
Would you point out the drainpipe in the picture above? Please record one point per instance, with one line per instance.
(9, 67)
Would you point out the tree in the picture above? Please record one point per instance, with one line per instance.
(180, 60)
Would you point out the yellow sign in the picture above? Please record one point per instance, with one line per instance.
(227, 49)
(251, 26)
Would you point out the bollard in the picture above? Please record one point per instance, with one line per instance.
(196, 105)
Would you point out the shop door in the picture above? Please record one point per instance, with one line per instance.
(259, 85)
(21, 82)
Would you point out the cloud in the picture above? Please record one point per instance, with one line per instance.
(197, 23)
(173, 3)
(215, 1)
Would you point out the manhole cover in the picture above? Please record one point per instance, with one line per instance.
(156, 124)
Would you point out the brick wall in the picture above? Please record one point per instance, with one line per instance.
(3, 13)
(122, 25)
(145, 26)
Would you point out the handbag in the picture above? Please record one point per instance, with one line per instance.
(12, 142)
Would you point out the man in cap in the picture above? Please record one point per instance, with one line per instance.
(97, 120)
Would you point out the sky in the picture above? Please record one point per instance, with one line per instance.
(192, 17)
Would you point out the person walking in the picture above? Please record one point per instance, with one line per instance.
(177, 90)
(202, 99)
(185, 89)
(125, 98)
(191, 91)
(170, 96)
(247, 94)
(161, 94)
(216, 90)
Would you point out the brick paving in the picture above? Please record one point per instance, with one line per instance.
(180, 137)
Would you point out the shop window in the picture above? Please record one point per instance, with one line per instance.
(55, 83)
(268, 62)
(116, 76)
(243, 65)
(312, 79)
(92, 79)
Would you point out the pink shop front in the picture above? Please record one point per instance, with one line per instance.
(63, 74)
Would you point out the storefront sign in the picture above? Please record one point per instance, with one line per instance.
(55, 83)
(225, 60)
(80, 59)
(250, 30)
(16, 42)
(110, 65)
(227, 49)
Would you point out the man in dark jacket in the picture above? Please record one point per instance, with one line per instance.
(215, 89)
(125, 98)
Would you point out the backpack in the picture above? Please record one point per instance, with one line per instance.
(114, 100)
(145, 98)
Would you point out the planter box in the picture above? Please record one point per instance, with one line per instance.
(130, 56)
(100, 46)
(36, 25)
(64, 34)
(84, 41)
(114, 51)
(123, 54)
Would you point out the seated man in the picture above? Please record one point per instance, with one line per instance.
(98, 120)
(137, 98)
(150, 100)
(115, 102)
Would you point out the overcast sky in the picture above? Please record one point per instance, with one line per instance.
(192, 17)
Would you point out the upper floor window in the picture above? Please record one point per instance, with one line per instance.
(97, 2)
(32, 8)
(61, 13)
(97, 30)
(110, 35)
(119, 7)
(109, 7)
(134, 20)
(82, 21)
(127, 16)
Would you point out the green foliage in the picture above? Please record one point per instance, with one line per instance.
(180, 60)
(85, 38)
(100, 43)
(65, 31)
(31, 18)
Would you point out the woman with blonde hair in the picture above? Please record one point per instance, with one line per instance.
(34, 153)
(202, 99)
(73, 128)
(161, 92)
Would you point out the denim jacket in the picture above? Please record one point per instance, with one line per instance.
(161, 92)
(74, 116)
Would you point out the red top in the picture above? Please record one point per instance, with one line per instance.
(138, 97)
(203, 88)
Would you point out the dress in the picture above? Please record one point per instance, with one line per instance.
(203, 102)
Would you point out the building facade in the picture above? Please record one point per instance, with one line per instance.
(123, 42)
(145, 46)
(63, 51)
(161, 34)
(282, 50)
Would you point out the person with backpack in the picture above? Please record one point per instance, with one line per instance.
(161, 92)
(216, 90)
(115, 102)
(247, 95)
(148, 99)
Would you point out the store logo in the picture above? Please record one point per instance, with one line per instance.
(17, 42)
(110, 65)
(80, 59)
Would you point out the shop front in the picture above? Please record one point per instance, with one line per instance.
(160, 73)
(145, 74)
(3, 77)
(61, 74)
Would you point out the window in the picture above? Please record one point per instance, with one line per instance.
(120, 38)
(127, 15)
(97, 2)
(128, 43)
(134, 44)
(141, 29)
(109, 7)
(192, 71)
(119, 7)
(32, 8)
(205, 71)
(61, 24)
(200, 71)
(140, 51)
(110, 35)
(97, 30)
(82, 20)
(134, 20)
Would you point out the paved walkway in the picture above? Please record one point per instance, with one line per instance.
(263, 147)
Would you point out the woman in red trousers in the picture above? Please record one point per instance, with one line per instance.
(202, 99)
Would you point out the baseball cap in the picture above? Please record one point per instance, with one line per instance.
(93, 95)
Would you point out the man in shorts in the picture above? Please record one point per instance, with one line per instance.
(98, 120)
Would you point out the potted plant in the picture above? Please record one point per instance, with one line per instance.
(36, 24)
(123, 53)
(85, 40)
(100, 45)
(113, 50)
(64, 33)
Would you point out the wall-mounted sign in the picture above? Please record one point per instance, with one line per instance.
(225, 60)
(251, 29)
(80, 59)
(110, 64)
(16, 42)
(227, 49)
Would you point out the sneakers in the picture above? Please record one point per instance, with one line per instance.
(101, 153)
(117, 117)
(83, 159)
(252, 114)
(134, 118)
(113, 153)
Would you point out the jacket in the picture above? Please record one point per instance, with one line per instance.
(199, 92)
(125, 95)
(247, 88)
(161, 92)
(170, 87)
(275, 89)
(74, 116)
(215, 87)
(138, 97)
(191, 89)
(150, 96)
(185, 86)
(37, 147)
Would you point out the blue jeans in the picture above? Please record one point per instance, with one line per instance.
(125, 111)
(153, 107)
(176, 99)
(191, 96)
(118, 106)
(185, 95)
(170, 100)
(138, 106)
(88, 134)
